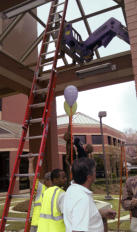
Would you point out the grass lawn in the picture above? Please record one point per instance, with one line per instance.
(124, 226)
(12, 225)
(99, 191)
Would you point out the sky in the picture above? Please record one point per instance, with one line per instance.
(119, 101)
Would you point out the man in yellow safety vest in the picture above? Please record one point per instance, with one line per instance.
(51, 214)
(38, 200)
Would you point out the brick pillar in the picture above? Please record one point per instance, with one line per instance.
(51, 158)
(88, 139)
(53, 155)
(131, 13)
(12, 157)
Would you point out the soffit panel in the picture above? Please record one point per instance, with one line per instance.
(122, 73)
(68, 76)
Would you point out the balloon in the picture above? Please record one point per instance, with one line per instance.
(67, 108)
(70, 94)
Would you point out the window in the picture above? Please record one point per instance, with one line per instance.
(100, 171)
(109, 140)
(96, 139)
(119, 142)
(2, 131)
(4, 171)
(114, 141)
(81, 137)
(24, 166)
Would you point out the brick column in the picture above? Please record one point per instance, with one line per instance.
(88, 139)
(131, 13)
(12, 157)
(51, 159)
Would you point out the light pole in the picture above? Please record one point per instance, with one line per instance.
(102, 114)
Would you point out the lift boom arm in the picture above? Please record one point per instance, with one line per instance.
(100, 37)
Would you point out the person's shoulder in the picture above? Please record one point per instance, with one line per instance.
(131, 179)
(49, 189)
(75, 191)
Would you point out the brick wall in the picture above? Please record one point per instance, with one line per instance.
(13, 108)
(131, 14)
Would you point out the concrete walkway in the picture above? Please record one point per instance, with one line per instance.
(124, 218)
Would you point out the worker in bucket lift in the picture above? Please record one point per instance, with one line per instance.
(38, 200)
(51, 215)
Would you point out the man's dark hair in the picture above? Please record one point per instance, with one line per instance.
(81, 168)
(55, 173)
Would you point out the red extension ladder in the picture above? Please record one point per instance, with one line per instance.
(53, 34)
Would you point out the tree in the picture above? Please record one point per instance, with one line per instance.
(131, 150)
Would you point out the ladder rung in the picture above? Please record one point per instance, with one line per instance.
(46, 53)
(57, 12)
(38, 105)
(46, 64)
(44, 78)
(29, 155)
(59, 4)
(35, 120)
(40, 91)
(34, 137)
(55, 30)
(52, 41)
(19, 196)
(24, 174)
(55, 21)
(15, 219)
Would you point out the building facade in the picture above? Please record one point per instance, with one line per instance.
(84, 127)
(11, 118)
(88, 130)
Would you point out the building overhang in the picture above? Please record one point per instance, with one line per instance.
(122, 73)
(14, 77)
(17, 78)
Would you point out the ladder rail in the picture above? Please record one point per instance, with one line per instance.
(39, 157)
(46, 113)
(52, 84)
(38, 166)
(12, 181)
(31, 98)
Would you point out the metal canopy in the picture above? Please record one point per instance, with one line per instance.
(21, 83)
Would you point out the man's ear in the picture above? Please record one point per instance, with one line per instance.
(90, 178)
(55, 180)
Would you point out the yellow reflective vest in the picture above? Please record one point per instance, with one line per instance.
(51, 219)
(37, 204)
